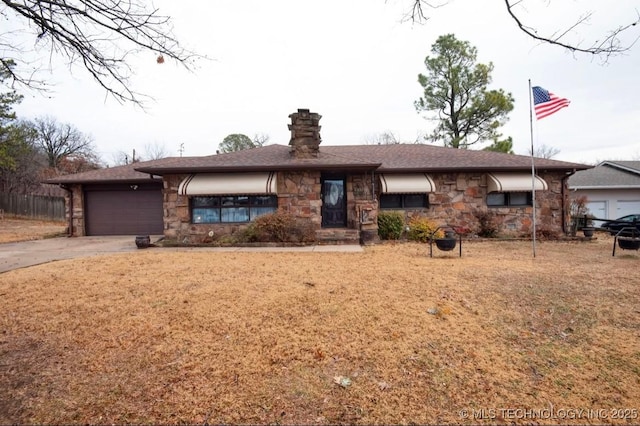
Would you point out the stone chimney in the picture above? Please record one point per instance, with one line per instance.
(305, 134)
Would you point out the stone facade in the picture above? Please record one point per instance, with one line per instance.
(459, 196)
(75, 199)
(299, 193)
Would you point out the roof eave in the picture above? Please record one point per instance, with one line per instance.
(281, 167)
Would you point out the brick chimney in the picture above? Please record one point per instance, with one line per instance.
(305, 134)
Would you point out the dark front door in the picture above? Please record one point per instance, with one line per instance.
(334, 203)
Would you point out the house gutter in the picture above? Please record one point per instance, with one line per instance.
(70, 224)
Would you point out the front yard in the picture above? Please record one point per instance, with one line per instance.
(385, 336)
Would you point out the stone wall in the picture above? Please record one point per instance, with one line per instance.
(298, 193)
(459, 196)
(77, 214)
(457, 199)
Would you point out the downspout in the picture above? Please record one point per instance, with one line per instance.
(70, 224)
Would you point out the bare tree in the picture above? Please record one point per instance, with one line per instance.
(605, 45)
(261, 139)
(385, 138)
(97, 34)
(59, 141)
(154, 151)
(544, 151)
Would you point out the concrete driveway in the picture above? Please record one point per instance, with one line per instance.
(30, 253)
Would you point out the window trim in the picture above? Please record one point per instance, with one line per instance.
(216, 204)
(403, 203)
(507, 198)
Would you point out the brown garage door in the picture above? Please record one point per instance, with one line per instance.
(121, 210)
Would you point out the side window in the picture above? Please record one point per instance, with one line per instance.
(506, 199)
(403, 201)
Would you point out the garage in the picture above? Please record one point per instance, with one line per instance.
(627, 207)
(123, 209)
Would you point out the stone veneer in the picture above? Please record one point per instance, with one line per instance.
(77, 218)
(459, 196)
(298, 193)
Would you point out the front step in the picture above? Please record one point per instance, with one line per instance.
(338, 236)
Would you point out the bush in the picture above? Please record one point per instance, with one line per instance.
(280, 226)
(390, 225)
(421, 229)
(488, 228)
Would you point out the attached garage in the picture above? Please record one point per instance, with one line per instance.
(123, 209)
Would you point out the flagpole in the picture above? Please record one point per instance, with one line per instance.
(533, 174)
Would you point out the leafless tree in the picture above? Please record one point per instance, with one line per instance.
(384, 138)
(154, 151)
(604, 46)
(100, 35)
(261, 139)
(59, 141)
(544, 151)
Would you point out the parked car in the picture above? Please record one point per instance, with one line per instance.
(628, 221)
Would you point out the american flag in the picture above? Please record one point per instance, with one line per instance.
(546, 103)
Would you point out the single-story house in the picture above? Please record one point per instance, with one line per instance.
(612, 188)
(339, 190)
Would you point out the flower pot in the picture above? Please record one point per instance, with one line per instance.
(445, 244)
(143, 241)
(588, 231)
(629, 243)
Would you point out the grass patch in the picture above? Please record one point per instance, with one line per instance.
(156, 336)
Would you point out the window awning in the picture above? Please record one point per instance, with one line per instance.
(228, 183)
(413, 183)
(514, 182)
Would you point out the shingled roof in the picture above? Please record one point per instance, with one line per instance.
(382, 158)
(399, 158)
(126, 173)
(608, 175)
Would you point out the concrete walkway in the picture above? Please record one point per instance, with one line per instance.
(30, 253)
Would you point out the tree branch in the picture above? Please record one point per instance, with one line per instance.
(99, 35)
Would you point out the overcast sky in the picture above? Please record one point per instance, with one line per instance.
(355, 63)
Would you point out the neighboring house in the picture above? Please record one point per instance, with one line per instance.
(339, 190)
(612, 188)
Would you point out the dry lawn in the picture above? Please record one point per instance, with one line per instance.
(16, 229)
(160, 336)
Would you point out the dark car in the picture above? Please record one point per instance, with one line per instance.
(628, 221)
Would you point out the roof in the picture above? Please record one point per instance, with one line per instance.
(126, 173)
(398, 158)
(608, 175)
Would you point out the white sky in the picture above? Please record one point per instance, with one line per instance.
(356, 64)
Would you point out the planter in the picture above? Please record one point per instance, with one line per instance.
(445, 244)
(143, 241)
(588, 231)
(629, 243)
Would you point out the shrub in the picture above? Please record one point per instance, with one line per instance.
(488, 228)
(421, 229)
(390, 225)
(280, 226)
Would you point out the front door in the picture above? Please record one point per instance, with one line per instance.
(334, 203)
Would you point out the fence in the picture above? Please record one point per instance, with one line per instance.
(35, 206)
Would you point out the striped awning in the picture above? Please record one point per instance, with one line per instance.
(411, 183)
(514, 182)
(228, 184)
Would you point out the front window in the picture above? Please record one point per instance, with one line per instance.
(403, 201)
(507, 199)
(231, 208)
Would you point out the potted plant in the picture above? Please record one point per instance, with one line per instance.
(580, 217)
(588, 228)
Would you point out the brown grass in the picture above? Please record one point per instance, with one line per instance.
(160, 336)
(17, 229)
